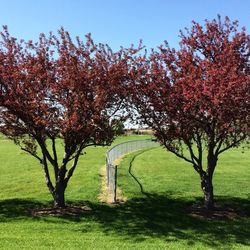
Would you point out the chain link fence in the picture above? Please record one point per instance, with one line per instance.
(115, 153)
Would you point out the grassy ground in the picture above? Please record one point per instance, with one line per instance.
(153, 219)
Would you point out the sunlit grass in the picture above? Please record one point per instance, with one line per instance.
(156, 219)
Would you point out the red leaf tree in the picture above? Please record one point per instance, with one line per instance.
(59, 90)
(197, 98)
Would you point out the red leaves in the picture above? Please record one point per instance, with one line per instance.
(73, 94)
(201, 87)
(76, 91)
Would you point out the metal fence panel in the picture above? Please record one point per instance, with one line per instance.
(115, 153)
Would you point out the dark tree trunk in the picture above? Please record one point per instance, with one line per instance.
(207, 188)
(59, 199)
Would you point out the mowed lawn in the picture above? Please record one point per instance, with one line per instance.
(153, 217)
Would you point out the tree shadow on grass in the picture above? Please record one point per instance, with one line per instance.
(160, 216)
(155, 216)
(13, 209)
(133, 175)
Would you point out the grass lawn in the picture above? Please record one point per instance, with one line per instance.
(153, 219)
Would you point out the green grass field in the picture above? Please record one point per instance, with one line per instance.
(154, 216)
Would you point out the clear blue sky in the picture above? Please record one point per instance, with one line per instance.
(117, 22)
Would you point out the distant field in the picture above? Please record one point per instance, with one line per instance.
(155, 219)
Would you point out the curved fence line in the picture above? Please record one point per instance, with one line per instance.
(115, 153)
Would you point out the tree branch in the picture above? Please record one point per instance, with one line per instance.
(179, 155)
(47, 175)
(218, 147)
(55, 157)
(45, 150)
(33, 154)
(199, 146)
(76, 158)
(89, 145)
(72, 169)
(232, 145)
(193, 157)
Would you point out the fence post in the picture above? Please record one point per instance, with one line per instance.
(115, 184)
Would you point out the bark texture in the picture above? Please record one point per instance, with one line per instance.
(59, 198)
(207, 188)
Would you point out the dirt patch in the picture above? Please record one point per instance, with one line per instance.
(68, 210)
(105, 196)
(218, 213)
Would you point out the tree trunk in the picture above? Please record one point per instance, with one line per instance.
(59, 200)
(207, 188)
